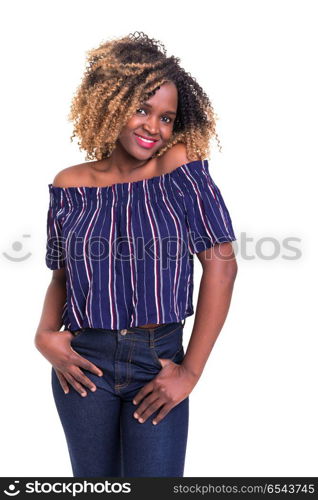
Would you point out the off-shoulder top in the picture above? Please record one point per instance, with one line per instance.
(128, 248)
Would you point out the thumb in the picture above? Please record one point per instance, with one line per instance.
(164, 362)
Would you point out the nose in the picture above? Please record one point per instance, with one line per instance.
(151, 126)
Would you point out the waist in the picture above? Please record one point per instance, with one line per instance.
(160, 327)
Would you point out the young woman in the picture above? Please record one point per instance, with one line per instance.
(122, 231)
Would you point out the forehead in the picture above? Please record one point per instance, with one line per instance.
(166, 95)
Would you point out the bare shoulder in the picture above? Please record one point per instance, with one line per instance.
(174, 157)
(75, 175)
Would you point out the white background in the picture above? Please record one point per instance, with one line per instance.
(254, 409)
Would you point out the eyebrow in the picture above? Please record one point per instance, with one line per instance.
(168, 112)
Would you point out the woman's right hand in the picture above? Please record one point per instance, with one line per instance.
(56, 347)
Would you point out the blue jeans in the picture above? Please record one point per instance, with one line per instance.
(103, 437)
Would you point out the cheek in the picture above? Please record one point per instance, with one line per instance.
(166, 133)
(127, 131)
(125, 135)
(132, 124)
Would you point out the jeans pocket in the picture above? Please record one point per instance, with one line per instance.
(77, 336)
(169, 347)
(178, 358)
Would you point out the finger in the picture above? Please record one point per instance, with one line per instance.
(62, 381)
(161, 415)
(87, 365)
(151, 408)
(82, 378)
(75, 384)
(143, 392)
(146, 402)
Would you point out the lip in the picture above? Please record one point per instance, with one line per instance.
(144, 144)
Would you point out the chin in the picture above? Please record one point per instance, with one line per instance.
(143, 155)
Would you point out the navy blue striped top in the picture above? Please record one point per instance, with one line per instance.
(128, 248)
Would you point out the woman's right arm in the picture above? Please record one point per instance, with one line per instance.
(55, 345)
(53, 303)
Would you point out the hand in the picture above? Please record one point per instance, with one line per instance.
(171, 386)
(56, 348)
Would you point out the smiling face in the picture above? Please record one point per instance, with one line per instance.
(153, 120)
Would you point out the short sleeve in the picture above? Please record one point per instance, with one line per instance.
(55, 251)
(208, 218)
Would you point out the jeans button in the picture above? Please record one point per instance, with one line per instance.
(124, 331)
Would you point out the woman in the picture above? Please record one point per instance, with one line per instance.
(122, 231)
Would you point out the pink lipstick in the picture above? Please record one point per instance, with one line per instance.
(145, 143)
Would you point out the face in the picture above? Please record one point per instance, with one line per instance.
(152, 120)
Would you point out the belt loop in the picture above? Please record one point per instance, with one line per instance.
(152, 337)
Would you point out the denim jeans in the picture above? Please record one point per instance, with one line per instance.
(102, 435)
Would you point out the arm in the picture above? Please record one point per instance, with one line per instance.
(175, 382)
(215, 292)
(53, 344)
(51, 318)
(53, 303)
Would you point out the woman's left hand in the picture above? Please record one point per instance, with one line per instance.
(171, 386)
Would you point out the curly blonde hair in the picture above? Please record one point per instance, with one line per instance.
(121, 74)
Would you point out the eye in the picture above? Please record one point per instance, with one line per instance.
(139, 109)
(168, 119)
(143, 109)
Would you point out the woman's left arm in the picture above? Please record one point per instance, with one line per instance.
(175, 382)
(215, 293)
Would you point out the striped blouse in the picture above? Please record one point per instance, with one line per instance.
(128, 248)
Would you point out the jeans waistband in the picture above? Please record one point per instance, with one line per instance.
(135, 329)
